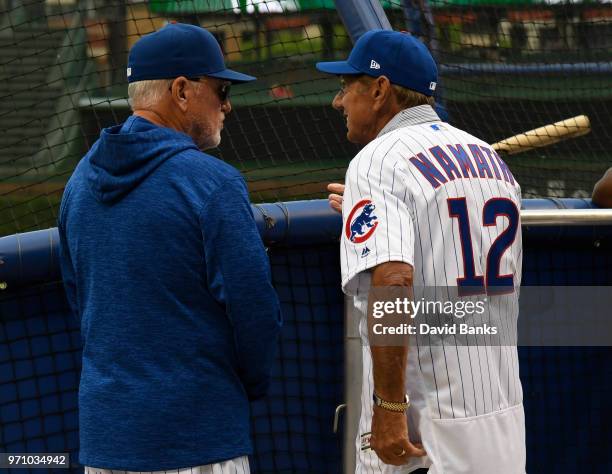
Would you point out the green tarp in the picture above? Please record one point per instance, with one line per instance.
(192, 6)
(280, 6)
(247, 6)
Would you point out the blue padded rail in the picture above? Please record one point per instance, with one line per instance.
(33, 256)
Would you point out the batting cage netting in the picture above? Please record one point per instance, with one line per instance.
(40, 362)
(505, 66)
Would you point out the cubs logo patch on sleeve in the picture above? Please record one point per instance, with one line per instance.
(361, 222)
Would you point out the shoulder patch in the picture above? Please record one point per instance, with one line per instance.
(361, 222)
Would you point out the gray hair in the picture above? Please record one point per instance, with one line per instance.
(145, 94)
(405, 97)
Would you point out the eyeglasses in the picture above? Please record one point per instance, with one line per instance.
(347, 81)
(223, 92)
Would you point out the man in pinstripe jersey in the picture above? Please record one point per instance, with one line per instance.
(427, 205)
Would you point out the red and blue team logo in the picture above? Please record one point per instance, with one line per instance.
(361, 222)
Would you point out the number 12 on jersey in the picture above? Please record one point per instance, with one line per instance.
(492, 282)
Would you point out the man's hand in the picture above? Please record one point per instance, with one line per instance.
(390, 438)
(335, 199)
(602, 192)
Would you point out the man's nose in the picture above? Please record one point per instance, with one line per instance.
(337, 103)
(226, 107)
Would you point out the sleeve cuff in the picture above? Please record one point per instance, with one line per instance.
(350, 283)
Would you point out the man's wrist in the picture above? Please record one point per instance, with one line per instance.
(393, 406)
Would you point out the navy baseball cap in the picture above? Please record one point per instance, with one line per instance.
(179, 50)
(402, 58)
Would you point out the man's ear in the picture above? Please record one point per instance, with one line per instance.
(179, 92)
(381, 91)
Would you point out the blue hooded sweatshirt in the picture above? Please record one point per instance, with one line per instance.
(164, 266)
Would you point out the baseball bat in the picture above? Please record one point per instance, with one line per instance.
(544, 136)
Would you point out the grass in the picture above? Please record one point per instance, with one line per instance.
(31, 205)
(21, 212)
(525, 87)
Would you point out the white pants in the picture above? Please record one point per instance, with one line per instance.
(491, 443)
(233, 466)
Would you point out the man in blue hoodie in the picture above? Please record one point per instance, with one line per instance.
(164, 266)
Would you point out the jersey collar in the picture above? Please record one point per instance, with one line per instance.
(412, 116)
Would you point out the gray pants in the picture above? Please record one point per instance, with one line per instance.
(233, 466)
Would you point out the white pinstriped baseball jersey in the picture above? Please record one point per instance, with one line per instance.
(441, 200)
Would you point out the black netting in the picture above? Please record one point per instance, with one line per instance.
(505, 67)
(40, 361)
(566, 390)
(292, 428)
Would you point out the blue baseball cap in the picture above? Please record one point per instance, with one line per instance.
(402, 58)
(179, 50)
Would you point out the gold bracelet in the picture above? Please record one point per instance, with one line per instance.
(397, 407)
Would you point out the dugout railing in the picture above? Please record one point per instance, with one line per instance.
(566, 390)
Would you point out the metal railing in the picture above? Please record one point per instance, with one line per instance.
(565, 217)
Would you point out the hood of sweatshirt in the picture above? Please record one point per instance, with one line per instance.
(126, 154)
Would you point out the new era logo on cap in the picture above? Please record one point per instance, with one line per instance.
(129, 72)
(432, 86)
(374, 65)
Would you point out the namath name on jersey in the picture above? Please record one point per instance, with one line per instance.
(481, 162)
(425, 329)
